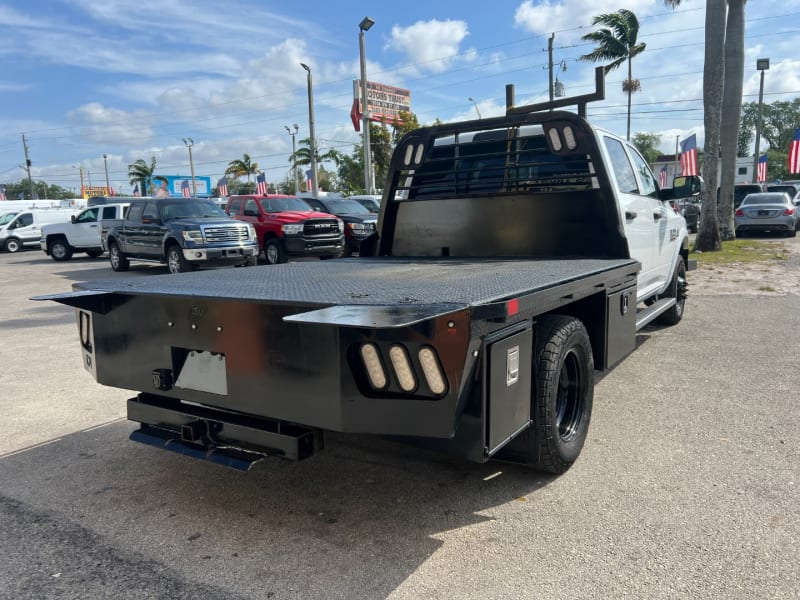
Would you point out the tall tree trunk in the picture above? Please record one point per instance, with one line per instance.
(630, 93)
(731, 114)
(708, 237)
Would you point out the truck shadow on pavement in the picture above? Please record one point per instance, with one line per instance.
(352, 522)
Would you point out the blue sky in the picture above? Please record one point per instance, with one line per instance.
(83, 78)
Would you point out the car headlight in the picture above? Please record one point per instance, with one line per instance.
(292, 228)
(356, 226)
(193, 235)
(341, 226)
(252, 231)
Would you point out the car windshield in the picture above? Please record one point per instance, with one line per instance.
(765, 199)
(346, 207)
(190, 209)
(6, 218)
(284, 204)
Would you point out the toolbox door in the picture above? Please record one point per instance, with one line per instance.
(508, 402)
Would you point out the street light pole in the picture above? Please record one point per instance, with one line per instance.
(314, 184)
(108, 185)
(365, 24)
(476, 106)
(189, 142)
(762, 64)
(294, 156)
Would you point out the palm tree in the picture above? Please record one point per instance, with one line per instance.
(724, 41)
(237, 168)
(139, 172)
(617, 42)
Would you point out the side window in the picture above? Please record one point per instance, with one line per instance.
(623, 170)
(235, 207)
(135, 212)
(251, 208)
(150, 213)
(25, 220)
(89, 216)
(646, 177)
(109, 212)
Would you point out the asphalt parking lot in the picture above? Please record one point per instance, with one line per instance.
(687, 486)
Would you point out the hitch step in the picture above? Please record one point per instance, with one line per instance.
(231, 439)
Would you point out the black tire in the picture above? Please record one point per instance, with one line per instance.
(176, 261)
(252, 261)
(95, 253)
(59, 249)
(561, 406)
(274, 252)
(792, 233)
(13, 245)
(677, 290)
(119, 262)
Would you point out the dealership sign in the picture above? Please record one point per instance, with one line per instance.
(384, 103)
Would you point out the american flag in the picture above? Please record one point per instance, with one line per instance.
(2, 192)
(762, 168)
(223, 186)
(309, 180)
(689, 155)
(261, 184)
(136, 190)
(794, 152)
(662, 177)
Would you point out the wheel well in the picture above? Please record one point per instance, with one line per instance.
(56, 236)
(171, 242)
(591, 311)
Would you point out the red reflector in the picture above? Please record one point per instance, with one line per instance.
(512, 307)
(789, 211)
(739, 212)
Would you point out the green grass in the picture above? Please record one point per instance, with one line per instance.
(743, 251)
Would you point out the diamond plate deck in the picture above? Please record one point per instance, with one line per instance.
(368, 281)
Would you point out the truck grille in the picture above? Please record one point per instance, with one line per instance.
(320, 227)
(233, 233)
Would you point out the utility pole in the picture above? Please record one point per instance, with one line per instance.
(189, 143)
(550, 64)
(762, 64)
(108, 184)
(28, 166)
(677, 143)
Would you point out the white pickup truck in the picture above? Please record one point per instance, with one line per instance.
(61, 240)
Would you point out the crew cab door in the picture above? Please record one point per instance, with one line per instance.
(640, 213)
(85, 231)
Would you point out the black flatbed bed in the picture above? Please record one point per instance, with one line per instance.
(373, 281)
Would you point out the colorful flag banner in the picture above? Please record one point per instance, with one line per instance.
(309, 180)
(187, 193)
(794, 152)
(662, 177)
(762, 168)
(223, 186)
(689, 155)
(261, 184)
(136, 190)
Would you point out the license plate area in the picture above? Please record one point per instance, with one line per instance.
(200, 370)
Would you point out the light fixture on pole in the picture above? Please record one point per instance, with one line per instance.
(471, 99)
(312, 139)
(365, 24)
(762, 64)
(294, 156)
(189, 143)
(108, 185)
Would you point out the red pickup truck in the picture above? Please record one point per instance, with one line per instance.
(286, 226)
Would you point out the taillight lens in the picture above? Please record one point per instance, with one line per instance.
(788, 211)
(739, 212)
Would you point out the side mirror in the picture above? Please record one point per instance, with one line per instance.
(73, 219)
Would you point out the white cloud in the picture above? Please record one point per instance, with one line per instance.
(430, 45)
(103, 125)
(567, 16)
